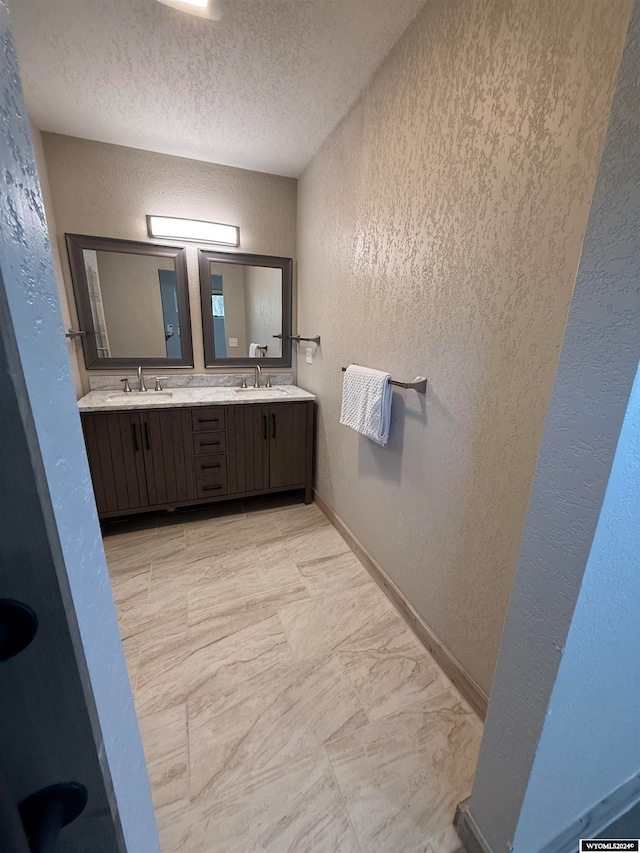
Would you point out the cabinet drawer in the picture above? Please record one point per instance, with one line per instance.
(210, 464)
(215, 483)
(210, 442)
(208, 418)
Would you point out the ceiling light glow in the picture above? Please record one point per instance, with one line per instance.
(174, 228)
(203, 8)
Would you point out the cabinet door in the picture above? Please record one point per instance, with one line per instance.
(168, 455)
(287, 444)
(248, 448)
(114, 448)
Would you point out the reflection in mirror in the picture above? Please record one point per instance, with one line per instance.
(246, 308)
(122, 329)
(246, 305)
(132, 302)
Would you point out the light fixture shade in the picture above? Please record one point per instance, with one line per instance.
(173, 228)
(203, 8)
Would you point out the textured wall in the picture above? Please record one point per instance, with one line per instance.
(581, 758)
(584, 735)
(439, 232)
(58, 511)
(107, 190)
(43, 177)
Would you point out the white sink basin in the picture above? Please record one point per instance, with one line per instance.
(262, 393)
(140, 397)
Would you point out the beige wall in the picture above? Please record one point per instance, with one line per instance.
(107, 190)
(130, 290)
(262, 289)
(439, 232)
(234, 307)
(67, 318)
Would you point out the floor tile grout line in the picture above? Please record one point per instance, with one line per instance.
(336, 654)
(342, 800)
(188, 750)
(253, 550)
(235, 602)
(137, 670)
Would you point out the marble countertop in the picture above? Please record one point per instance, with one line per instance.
(110, 400)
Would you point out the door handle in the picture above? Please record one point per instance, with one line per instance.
(208, 443)
(273, 426)
(208, 420)
(146, 436)
(264, 427)
(211, 465)
(134, 433)
(211, 488)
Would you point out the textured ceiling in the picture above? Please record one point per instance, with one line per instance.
(259, 89)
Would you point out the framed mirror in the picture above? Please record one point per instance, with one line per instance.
(246, 309)
(132, 301)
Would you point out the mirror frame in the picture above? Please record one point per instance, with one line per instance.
(76, 243)
(205, 256)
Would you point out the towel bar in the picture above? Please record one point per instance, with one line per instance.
(419, 384)
(313, 340)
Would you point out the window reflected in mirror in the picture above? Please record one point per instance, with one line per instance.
(122, 329)
(246, 308)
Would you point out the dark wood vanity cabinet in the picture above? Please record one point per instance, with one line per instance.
(139, 460)
(113, 444)
(165, 435)
(287, 436)
(164, 458)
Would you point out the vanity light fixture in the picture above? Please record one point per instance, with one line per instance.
(202, 8)
(173, 228)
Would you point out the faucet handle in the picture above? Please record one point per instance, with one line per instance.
(127, 387)
(159, 380)
(268, 382)
(243, 384)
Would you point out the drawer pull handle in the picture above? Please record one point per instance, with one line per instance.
(208, 420)
(211, 465)
(207, 443)
(211, 488)
(134, 431)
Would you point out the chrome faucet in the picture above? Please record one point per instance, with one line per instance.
(256, 382)
(141, 385)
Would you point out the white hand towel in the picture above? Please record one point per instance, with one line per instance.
(253, 351)
(366, 402)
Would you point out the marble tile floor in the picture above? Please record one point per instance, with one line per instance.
(283, 703)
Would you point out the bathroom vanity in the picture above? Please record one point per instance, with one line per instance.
(173, 448)
(197, 441)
